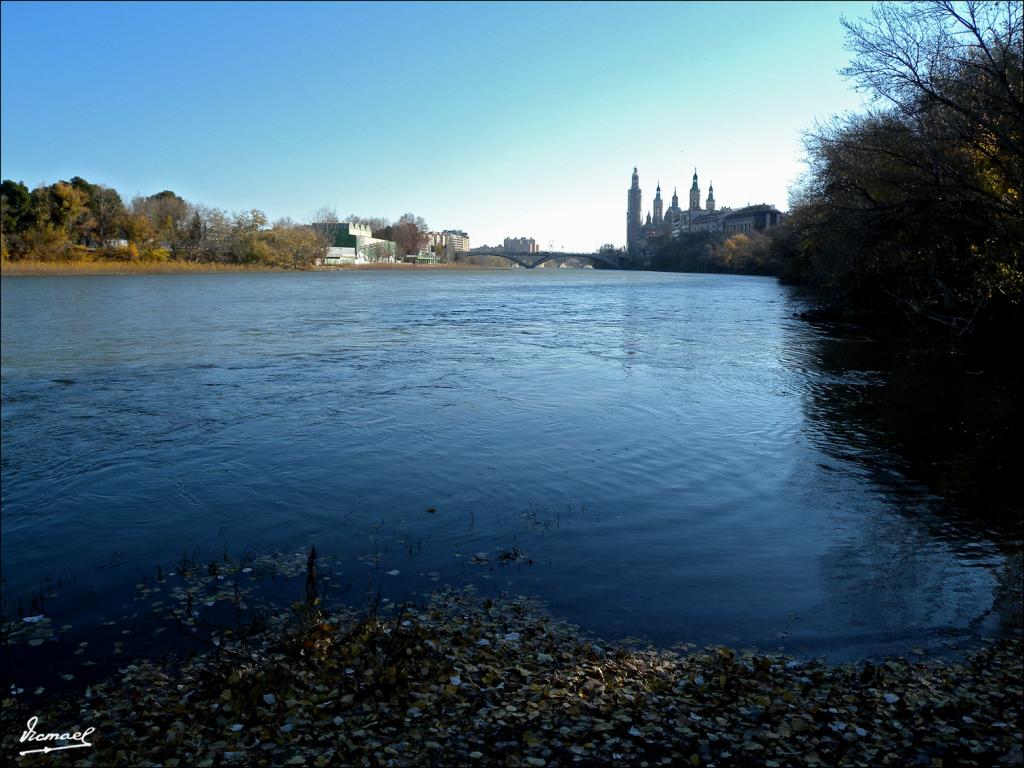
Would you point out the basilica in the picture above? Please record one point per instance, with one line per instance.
(667, 223)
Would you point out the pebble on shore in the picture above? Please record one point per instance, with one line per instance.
(464, 680)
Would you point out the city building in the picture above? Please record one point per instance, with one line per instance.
(660, 224)
(643, 235)
(521, 245)
(707, 222)
(752, 218)
(457, 239)
(449, 242)
(350, 243)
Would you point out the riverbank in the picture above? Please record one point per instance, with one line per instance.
(64, 268)
(462, 680)
(459, 266)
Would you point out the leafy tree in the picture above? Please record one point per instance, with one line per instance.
(292, 246)
(250, 221)
(107, 213)
(140, 232)
(79, 219)
(83, 186)
(167, 213)
(47, 242)
(192, 236)
(15, 216)
(15, 206)
(62, 205)
(409, 234)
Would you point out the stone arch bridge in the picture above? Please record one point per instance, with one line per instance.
(532, 260)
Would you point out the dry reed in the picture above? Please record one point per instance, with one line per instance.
(55, 268)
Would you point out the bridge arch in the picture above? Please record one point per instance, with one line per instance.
(515, 258)
(532, 260)
(592, 256)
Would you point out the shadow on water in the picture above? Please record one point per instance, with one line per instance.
(907, 412)
(939, 437)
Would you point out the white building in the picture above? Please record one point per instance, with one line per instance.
(353, 244)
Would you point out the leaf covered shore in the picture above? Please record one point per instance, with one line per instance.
(463, 680)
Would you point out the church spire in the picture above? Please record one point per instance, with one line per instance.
(695, 193)
(633, 216)
(657, 206)
(710, 204)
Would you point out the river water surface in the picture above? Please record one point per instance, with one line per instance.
(676, 457)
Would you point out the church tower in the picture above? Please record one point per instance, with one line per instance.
(710, 204)
(657, 206)
(633, 213)
(694, 193)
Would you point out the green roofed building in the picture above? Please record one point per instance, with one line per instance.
(350, 243)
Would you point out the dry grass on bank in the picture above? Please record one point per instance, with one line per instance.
(55, 268)
(387, 266)
(60, 268)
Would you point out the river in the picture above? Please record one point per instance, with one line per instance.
(674, 457)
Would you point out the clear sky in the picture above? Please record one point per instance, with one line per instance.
(512, 119)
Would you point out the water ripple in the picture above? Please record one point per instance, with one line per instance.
(679, 455)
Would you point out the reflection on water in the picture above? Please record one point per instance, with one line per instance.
(678, 456)
(938, 439)
(921, 416)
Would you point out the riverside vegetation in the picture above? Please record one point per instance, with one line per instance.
(76, 224)
(77, 221)
(172, 267)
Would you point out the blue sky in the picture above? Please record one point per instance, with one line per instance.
(513, 119)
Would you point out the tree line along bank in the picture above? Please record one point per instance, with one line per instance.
(76, 220)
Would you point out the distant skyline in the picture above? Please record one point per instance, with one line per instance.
(503, 120)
